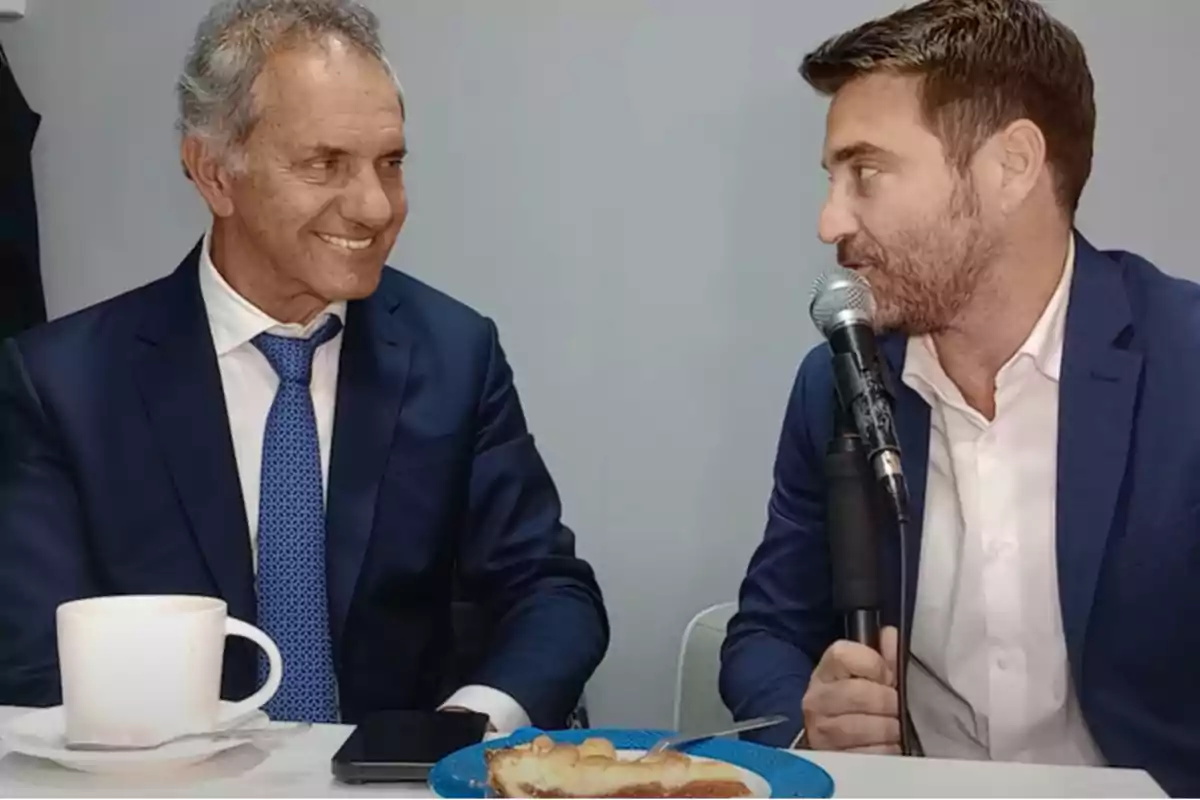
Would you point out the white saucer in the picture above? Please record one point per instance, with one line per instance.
(41, 734)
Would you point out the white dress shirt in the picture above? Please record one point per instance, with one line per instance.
(989, 676)
(249, 383)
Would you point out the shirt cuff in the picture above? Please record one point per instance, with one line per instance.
(505, 713)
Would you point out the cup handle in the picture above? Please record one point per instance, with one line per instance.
(234, 715)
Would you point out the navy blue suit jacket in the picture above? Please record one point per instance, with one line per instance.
(1128, 524)
(117, 476)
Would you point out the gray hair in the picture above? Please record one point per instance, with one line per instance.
(232, 45)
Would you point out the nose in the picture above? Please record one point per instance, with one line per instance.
(367, 202)
(836, 221)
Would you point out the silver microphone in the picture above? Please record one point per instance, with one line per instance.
(841, 297)
(843, 310)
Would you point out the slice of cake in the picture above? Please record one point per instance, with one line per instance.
(543, 768)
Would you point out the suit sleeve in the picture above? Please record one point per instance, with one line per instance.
(550, 626)
(785, 620)
(43, 560)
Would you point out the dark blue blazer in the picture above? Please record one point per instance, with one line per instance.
(117, 476)
(1128, 524)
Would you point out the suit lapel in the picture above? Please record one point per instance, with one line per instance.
(371, 377)
(912, 431)
(180, 385)
(1097, 395)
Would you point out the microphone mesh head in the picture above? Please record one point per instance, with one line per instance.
(840, 290)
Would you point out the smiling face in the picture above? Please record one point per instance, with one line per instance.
(899, 211)
(317, 207)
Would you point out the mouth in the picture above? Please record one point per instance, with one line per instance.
(347, 244)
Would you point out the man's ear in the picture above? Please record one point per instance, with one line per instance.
(210, 173)
(1023, 159)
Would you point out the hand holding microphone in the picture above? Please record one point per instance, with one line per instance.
(851, 703)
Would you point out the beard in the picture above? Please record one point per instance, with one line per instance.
(922, 277)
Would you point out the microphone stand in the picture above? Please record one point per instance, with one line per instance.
(852, 524)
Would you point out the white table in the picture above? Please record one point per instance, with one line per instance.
(300, 768)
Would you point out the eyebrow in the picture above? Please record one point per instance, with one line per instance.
(852, 151)
(329, 151)
(326, 151)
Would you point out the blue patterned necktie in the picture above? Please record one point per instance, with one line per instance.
(293, 607)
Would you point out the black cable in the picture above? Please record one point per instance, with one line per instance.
(906, 737)
(910, 744)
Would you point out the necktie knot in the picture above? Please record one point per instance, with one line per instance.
(292, 358)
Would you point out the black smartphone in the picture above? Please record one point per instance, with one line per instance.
(402, 746)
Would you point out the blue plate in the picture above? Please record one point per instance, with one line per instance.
(464, 774)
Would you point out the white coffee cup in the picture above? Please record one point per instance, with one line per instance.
(139, 669)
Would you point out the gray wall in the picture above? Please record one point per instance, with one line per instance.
(630, 188)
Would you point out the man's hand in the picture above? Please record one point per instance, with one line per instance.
(851, 702)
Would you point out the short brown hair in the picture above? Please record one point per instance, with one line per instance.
(983, 64)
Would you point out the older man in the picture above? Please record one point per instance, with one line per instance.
(335, 449)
